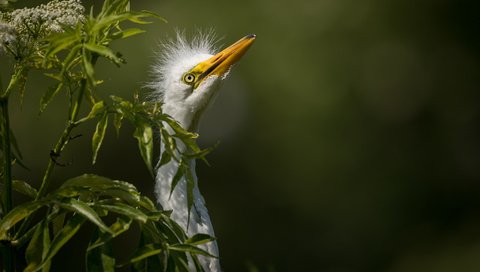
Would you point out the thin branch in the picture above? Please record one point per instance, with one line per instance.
(7, 175)
(57, 150)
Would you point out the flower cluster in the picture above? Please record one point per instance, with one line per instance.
(22, 28)
(7, 35)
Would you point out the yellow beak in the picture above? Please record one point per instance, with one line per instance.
(221, 62)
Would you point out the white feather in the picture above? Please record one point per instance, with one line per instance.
(177, 57)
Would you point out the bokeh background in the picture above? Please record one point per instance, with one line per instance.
(349, 133)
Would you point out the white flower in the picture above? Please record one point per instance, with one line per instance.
(7, 35)
(50, 17)
(25, 26)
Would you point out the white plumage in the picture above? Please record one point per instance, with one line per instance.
(186, 80)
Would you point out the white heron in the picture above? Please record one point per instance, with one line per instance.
(186, 81)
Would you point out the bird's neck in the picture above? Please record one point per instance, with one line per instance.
(181, 113)
(193, 222)
(187, 112)
(198, 219)
(176, 200)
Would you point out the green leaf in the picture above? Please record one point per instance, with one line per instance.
(132, 198)
(107, 21)
(101, 183)
(137, 17)
(68, 231)
(113, 7)
(89, 94)
(181, 261)
(68, 192)
(97, 108)
(57, 223)
(174, 231)
(22, 80)
(190, 187)
(104, 51)
(198, 265)
(19, 75)
(139, 21)
(147, 203)
(180, 131)
(70, 60)
(118, 227)
(18, 214)
(127, 33)
(144, 136)
(156, 215)
(178, 175)
(135, 196)
(24, 188)
(49, 94)
(100, 258)
(199, 238)
(46, 245)
(38, 247)
(168, 142)
(60, 42)
(190, 249)
(25, 237)
(117, 122)
(152, 14)
(146, 251)
(99, 135)
(34, 252)
(117, 99)
(165, 158)
(200, 154)
(54, 76)
(83, 209)
(89, 70)
(126, 210)
(147, 265)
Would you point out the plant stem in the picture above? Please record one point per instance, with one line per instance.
(18, 72)
(56, 151)
(7, 159)
(63, 141)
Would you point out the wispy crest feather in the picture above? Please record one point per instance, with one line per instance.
(175, 50)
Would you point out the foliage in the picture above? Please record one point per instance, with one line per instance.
(68, 53)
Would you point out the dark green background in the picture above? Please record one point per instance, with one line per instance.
(349, 133)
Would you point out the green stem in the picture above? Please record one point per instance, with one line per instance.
(19, 71)
(56, 151)
(7, 159)
(63, 141)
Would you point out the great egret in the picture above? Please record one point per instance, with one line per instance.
(187, 80)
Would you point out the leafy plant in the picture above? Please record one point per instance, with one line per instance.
(65, 43)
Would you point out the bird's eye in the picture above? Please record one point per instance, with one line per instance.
(189, 78)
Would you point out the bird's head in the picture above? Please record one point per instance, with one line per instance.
(187, 76)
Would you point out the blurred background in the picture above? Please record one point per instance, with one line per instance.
(349, 133)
